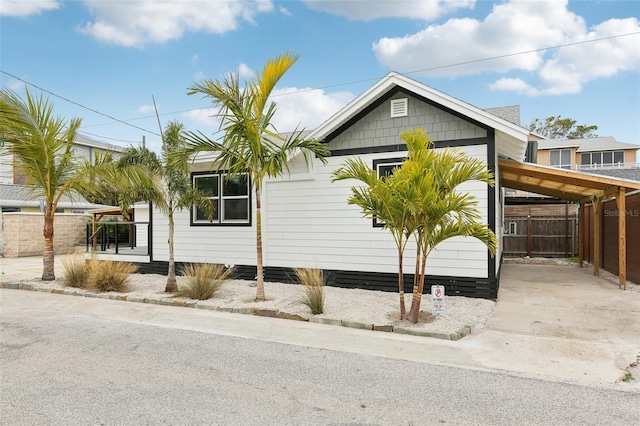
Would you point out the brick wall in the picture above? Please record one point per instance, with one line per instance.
(22, 233)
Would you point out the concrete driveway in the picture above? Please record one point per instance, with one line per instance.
(561, 321)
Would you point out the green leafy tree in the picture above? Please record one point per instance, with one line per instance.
(250, 143)
(42, 146)
(420, 200)
(556, 127)
(171, 190)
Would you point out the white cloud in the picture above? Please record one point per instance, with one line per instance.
(203, 117)
(284, 10)
(458, 47)
(146, 109)
(245, 72)
(27, 7)
(194, 59)
(15, 85)
(199, 76)
(136, 23)
(306, 108)
(516, 85)
(367, 10)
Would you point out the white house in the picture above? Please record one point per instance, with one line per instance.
(306, 219)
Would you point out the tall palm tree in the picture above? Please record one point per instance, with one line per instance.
(171, 190)
(421, 199)
(41, 144)
(251, 143)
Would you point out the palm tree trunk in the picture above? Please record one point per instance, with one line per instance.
(417, 295)
(48, 271)
(259, 269)
(403, 309)
(172, 285)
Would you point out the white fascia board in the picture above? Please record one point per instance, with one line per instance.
(205, 157)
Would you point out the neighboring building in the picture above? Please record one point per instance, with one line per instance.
(588, 154)
(21, 215)
(82, 147)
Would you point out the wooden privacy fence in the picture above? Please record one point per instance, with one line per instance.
(540, 236)
(608, 249)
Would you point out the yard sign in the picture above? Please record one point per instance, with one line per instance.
(437, 294)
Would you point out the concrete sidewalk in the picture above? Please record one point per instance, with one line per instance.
(553, 322)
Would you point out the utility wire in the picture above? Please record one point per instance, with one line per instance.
(473, 61)
(78, 104)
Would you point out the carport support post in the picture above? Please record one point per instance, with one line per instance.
(581, 234)
(597, 210)
(622, 240)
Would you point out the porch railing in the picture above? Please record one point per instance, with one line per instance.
(132, 238)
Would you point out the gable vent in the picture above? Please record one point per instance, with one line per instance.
(399, 107)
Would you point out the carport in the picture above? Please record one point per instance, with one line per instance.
(582, 188)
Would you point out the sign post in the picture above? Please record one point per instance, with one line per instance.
(437, 295)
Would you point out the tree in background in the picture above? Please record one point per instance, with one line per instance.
(251, 145)
(562, 128)
(171, 190)
(420, 200)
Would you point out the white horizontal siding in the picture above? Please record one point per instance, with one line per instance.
(307, 222)
(207, 244)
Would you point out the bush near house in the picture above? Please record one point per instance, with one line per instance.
(312, 281)
(76, 272)
(203, 280)
(107, 275)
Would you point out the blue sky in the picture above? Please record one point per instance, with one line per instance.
(112, 56)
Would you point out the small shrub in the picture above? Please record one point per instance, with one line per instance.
(312, 281)
(107, 275)
(76, 272)
(202, 280)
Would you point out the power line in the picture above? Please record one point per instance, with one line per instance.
(78, 104)
(327, 86)
(107, 137)
(420, 70)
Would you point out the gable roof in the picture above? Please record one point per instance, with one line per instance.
(511, 139)
(87, 141)
(605, 143)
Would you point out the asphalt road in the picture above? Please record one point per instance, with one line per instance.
(61, 365)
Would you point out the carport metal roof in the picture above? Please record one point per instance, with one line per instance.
(579, 187)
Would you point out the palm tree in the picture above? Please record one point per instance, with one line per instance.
(378, 199)
(421, 199)
(251, 145)
(438, 210)
(41, 144)
(171, 190)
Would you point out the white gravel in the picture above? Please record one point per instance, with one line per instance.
(355, 305)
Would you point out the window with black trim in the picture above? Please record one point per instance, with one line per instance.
(230, 195)
(385, 167)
